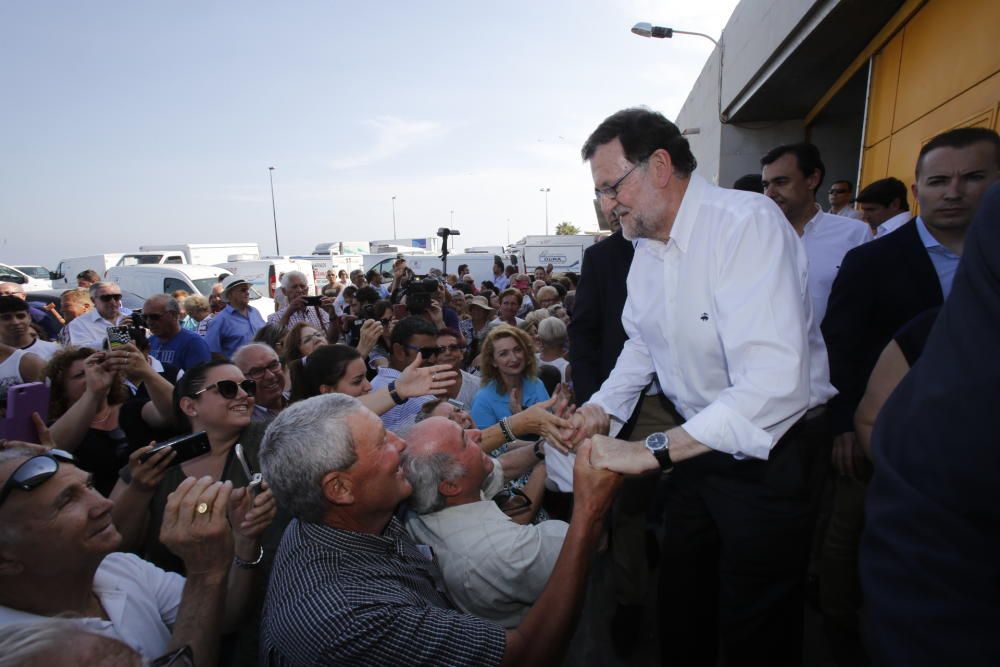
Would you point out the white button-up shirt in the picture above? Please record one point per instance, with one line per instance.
(893, 223)
(91, 330)
(721, 316)
(847, 212)
(827, 239)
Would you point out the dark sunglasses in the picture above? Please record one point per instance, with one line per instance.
(512, 501)
(425, 352)
(35, 471)
(230, 388)
(106, 298)
(838, 191)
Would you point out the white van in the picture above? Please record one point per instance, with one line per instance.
(70, 267)
(480, 264)
(265, 275)
(149, 279)
(323, 263)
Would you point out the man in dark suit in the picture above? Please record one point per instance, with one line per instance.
(881, 286)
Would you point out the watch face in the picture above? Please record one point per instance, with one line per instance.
(656, 441)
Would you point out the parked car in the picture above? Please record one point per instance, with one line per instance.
(8, 274)
(150, 279)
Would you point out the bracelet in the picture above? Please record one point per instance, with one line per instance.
(508, 435)
(396, 398)
(248, 564)
(539, 452)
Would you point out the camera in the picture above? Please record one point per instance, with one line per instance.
(138, 320)
(419, 294)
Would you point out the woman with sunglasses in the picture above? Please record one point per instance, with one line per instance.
(452, 349)
(216, 398)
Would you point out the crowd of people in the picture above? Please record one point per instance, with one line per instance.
(419, 469)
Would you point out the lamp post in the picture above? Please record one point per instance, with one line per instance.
(274, 211)
(394, 217)
(546, 191)
(648, 30)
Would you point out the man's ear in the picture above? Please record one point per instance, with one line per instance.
(338, 488)
(662, 167)
(448, 489)
(814, 180)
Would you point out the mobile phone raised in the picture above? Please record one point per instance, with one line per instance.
(313, 300)
(188, 447)
(118, 337)
(22, 400)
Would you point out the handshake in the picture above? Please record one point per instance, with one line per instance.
(590, 424)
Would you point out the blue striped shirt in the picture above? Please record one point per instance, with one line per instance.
(342, 598)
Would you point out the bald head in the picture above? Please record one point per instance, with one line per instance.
(445, 465)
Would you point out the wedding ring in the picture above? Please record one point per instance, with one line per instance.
(201, 508)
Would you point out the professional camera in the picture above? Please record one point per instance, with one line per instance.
(419, 294)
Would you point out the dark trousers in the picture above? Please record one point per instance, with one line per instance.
(735, 548)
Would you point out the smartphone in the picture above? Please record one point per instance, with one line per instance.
(118, 337)
(188, 447)
(399, 310)
(22, 400)
(313, 300)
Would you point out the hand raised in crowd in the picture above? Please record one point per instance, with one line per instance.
(550, 419)
(196, 526)
(417, 381)
(587, 421)
(436, 313)
(627, 458)
(371, 331)
(45, 438)
(250, 515)
(99, 377)
(297, 304)
(128, 360)
(514, 400)
(593, 488)
(147, 475)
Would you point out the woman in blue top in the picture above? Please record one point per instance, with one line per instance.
(510, 384)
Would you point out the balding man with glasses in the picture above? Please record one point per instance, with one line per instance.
(91, 328)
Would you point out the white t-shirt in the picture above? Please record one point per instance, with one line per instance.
(43, 348)
(140, 599)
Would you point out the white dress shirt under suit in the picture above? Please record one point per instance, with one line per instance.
(827, 239)
(720, 314)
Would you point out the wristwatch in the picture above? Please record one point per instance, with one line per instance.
(658, 445)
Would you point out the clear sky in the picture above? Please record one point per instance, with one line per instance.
(127, 123)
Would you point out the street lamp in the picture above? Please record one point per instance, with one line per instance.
(648, 30)
(546, 191)
(394, 217)
(274, 211)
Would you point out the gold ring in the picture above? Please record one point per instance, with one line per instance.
(201, 508)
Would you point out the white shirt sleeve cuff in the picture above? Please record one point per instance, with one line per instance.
(723, 429)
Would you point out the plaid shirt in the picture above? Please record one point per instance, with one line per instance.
(341, 598)
(316, 318)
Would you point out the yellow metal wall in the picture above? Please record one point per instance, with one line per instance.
(941, 71)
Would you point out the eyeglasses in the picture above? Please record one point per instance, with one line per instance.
(257, 373)
(307, 339)
(35, 471)
(512, 501)
(152, 317)
(425, 352)
(452, 348)
(611, 192)
(839, 191)
(230, 388)
(107, 298)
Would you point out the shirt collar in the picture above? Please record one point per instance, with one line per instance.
(813, 221)
(680, 233)
(391, 538)
(926, 237)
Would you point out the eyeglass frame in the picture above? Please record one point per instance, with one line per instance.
(239, 385)
(259, 371)
(611, 191)
(57, 455)
(425, 352)
(505, 497)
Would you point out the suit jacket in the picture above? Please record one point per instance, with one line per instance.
(596, 333)
(881, 286)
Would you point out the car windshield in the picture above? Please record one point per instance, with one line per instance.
(34, 271)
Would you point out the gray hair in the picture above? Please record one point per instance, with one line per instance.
(97, 286)
(425, 473)
(552, 331)
(169, 303)
(241, 351)
(287, 278)
(305, 441)
(43, 640)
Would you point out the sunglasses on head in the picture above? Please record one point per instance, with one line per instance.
(35, 471)
(230, 388)
(106, 298)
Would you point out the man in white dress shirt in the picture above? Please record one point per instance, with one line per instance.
(791, 174)
(839, 196)
(91, 328)
(718, 311)
(884, 207)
